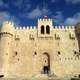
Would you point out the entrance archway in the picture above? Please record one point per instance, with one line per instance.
(46, 63)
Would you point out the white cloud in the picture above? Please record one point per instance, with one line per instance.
(22, 3)
(5, 16)
(73, 1)
(37, 13)
(3, 4)
(72, 20)
(58, 18)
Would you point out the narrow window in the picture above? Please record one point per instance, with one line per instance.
(59, 53)
(16, 53)
(47, 29)
(75, 52)
(42, 29)
(35, 53)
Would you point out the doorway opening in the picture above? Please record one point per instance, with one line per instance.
(46, 69)
(46, 63)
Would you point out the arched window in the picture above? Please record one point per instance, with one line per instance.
(47, 29)
(42, 29)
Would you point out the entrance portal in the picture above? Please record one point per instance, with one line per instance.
(46, 69)
(46, 63)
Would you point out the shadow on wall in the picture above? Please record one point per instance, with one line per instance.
(77, 32)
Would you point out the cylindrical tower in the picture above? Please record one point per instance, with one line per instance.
(6, 39)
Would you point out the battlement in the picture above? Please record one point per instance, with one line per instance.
(8, 23)
(47, 20)
(34, 27)
(64, 27)
(25, 27)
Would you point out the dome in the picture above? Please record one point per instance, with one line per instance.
(7, 27)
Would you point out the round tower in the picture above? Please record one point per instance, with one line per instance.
(6, 38)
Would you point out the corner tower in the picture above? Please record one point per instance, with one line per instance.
(7, 32)
(45, 27)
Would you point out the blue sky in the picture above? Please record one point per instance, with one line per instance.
(26, 12)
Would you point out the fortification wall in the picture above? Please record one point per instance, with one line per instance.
(26, 57)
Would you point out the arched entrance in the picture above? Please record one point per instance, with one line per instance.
(46, 63)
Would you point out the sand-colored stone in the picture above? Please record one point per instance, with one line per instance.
(25, 51)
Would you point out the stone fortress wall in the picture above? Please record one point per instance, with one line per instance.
(29, 51)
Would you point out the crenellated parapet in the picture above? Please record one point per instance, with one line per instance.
(43, 20)
(34, 27)
(8, 23)
(26, 28)
(64, 27)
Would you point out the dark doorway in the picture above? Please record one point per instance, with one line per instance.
(46, 65)
(46, 69)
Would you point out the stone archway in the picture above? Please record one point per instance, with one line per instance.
(46, 63)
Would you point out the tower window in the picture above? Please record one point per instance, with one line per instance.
(75, 52)
(35, 53)
(47, 29)
(16, 53)
(42, 29)
(59, 53)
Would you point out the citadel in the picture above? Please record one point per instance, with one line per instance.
(42, 49)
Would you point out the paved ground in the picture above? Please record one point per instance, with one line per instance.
(34, 79)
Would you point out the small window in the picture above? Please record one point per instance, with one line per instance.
(17, 37)
(72, 36)
(42, 29)
(57, 37)
(35, 53)
(18, 59)
(1, 76)
(16, 53)
(45, 61)
(31, 36)
(75, 52)
(47, 29)
(59, 53)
